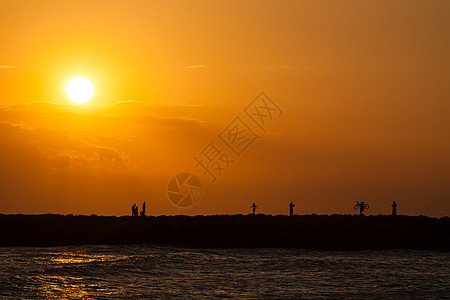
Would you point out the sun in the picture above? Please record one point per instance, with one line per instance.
(80, 90)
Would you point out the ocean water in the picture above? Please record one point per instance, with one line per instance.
(109, 272)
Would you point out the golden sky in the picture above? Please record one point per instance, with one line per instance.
(364, 87)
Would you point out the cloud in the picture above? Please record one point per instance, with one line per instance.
(60, 150)
(195, 67)
(97, 137)
(45, 114)
(33, 106)
(155, 104)
(7, 67)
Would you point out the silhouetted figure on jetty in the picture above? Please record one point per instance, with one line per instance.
(254, 206)
(135, 210)
(394, 208)
(143, 210)
(291, 208)
(362, 206)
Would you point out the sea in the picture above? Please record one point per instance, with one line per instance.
(146, 271)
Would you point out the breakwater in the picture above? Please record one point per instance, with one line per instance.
(332, 232)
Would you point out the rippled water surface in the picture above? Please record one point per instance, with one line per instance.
(147, 271)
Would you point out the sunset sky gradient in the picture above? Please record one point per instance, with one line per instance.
(364, 87)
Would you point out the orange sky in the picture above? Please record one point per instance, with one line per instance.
(364, 86)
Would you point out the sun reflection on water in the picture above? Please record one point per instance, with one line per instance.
(62, 286)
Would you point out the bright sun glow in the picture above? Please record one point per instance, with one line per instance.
(80, 90)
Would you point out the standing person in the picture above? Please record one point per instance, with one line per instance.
(291, 208)
(254, 206)
(143, 209)
(133, 210)
(394, 208)
(361, 208)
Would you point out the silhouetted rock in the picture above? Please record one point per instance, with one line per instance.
(338, 232)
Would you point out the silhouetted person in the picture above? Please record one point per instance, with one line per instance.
(362, 206)
(143, 209)
(133, 210)
(254, 206)
(136, 211)
(291, 208)
(394, 208)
